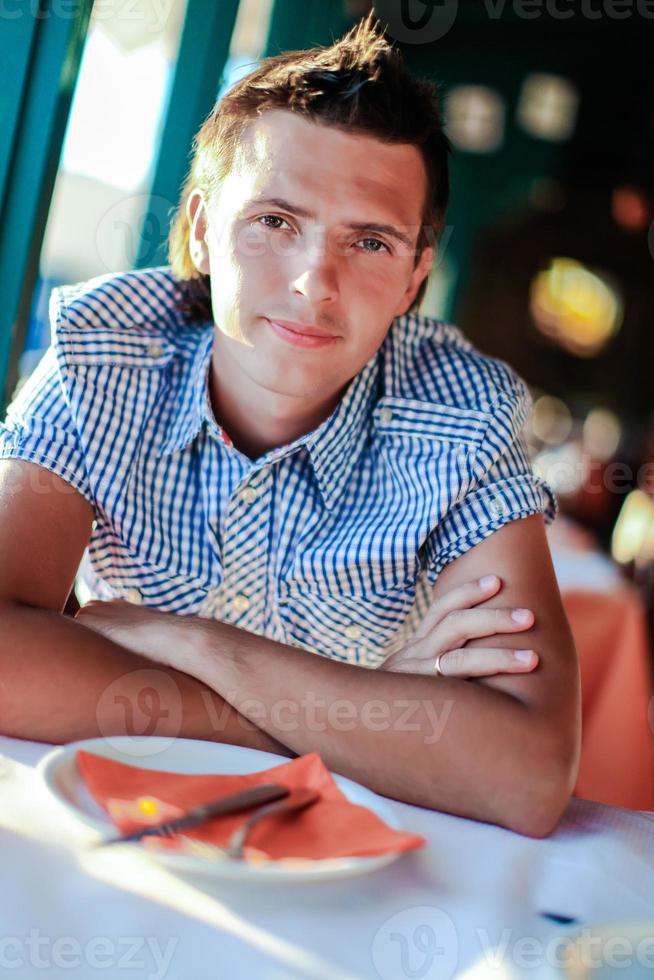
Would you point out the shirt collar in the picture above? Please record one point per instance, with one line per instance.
(192, 398)
(334, 447)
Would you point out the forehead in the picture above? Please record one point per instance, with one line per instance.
(285, 155)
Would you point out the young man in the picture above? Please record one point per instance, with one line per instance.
(264, 439)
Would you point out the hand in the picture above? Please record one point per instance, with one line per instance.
(163, 637)
(450, 622)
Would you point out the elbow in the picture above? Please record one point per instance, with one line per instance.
(548, 786)
(542, 822)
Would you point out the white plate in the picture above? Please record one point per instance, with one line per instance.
(59, 771)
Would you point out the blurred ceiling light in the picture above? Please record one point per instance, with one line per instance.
(551, 421)
(631, 208)
(548, 107)
(601, 433)
(475, 118)
(564, 468)
(633, 535)
(577, 308)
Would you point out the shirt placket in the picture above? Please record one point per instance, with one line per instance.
(246, 527)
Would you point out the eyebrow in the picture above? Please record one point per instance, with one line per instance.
(381, 229)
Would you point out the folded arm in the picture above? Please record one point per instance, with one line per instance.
(502, 749)
(61, 681)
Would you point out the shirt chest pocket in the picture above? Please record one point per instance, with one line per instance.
(352, 628)
(432, 455)
(130, 577)
(159, 589)
(410, 421)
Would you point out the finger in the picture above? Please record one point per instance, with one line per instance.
(462, 597)
(470, 624)
(486, 662)
(94, 622)
(464, 663)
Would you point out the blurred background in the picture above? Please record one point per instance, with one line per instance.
(546, 260)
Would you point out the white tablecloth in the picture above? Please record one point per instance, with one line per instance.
(468, 905)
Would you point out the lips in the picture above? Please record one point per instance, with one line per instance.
(301, 334)
(305, 329)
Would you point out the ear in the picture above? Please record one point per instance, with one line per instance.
(419, 273)
(196, 215)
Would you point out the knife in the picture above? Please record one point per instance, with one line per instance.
(243, 800)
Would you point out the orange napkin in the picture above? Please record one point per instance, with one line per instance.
(330, 828)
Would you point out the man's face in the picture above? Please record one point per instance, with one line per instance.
(280, 245)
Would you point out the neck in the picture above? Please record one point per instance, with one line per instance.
(257, 419)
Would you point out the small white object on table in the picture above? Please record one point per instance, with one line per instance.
(469, 904)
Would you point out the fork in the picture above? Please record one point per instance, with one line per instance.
(298, 800)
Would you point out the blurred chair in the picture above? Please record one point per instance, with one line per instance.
(617, 759)
(609, 625)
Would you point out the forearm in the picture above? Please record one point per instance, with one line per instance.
(60, 681)
(436, 742)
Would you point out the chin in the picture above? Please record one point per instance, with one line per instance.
(291, 382)
(281, 386)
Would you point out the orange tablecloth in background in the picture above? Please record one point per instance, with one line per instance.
(617, 757)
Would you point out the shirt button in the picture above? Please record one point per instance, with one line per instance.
(155, 349)
(134, 596)
(249, 495)
(497, 506)
(386, 415)
(240, 602)
(353, 632)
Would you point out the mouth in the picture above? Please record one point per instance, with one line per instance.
(301, 334)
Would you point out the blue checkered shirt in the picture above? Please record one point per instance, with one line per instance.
(330, 543)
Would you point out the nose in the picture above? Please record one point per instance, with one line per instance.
(318, 279)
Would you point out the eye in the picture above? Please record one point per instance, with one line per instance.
(274, 217)
(375, 241)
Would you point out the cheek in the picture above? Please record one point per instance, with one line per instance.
(255, 251)
(375, 293)
(382, 281)
(255, 270)
(226, 298)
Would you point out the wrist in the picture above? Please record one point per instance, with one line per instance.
(210, 651)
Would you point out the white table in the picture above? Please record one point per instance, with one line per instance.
(467, 905)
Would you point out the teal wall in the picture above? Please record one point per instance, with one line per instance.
(40, 51)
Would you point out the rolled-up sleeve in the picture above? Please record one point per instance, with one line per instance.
(502, 486)
(39, 427)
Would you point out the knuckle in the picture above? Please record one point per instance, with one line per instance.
(455, 660)
(453, 626)
(452, 621)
